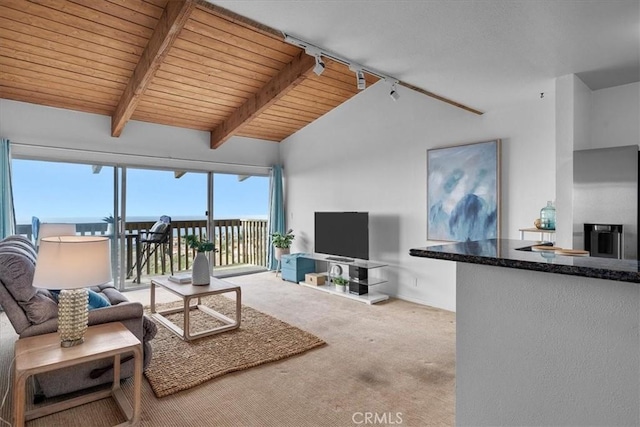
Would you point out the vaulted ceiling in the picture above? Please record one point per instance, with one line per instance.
(490, 55)
(182, 63)
(198, 65)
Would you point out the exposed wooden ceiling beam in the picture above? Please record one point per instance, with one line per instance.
(440, 98)
(174, 17)
(288, 78)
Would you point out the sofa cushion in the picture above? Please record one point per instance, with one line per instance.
(18, 246)
(16, 272)
(112, 294)
(40, 308)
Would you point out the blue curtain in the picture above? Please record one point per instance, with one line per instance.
(7, 211)
(276, 212)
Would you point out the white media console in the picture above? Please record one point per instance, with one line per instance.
(358, 275)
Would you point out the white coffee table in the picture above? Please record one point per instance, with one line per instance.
(189, 292)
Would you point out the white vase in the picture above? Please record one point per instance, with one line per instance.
(279, 252)
(341, 288)
(200, 271)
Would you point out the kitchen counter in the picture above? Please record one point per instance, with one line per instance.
(534, 348)
(517, 254)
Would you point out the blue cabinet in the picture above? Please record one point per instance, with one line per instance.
(294, 266)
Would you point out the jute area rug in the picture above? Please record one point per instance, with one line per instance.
(178, 365)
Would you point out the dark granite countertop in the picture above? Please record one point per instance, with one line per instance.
(506, 253)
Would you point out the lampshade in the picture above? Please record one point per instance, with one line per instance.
(71, 262)
(48, 229)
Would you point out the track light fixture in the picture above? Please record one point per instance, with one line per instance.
(315, 52)
(360, 81)
(358, 69)
(394, 93)
(319, 68)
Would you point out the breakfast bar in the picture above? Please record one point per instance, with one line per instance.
(541, 338)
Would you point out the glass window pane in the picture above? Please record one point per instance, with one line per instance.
(237, 196)
(61, 192)
(241, 206)
(153, 193)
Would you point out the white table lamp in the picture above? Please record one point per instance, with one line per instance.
(49, 229)
(72, 263)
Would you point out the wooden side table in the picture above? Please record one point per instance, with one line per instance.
(42, 353)
(542, 232)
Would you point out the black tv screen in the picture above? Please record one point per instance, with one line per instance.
(342, 233)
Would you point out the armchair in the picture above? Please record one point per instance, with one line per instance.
(33, 311)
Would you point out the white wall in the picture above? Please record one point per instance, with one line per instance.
(588, 119)
(370, 155)
(581, 115)
(615, 116)
(564, 159)
(87, 138)
(572, 133)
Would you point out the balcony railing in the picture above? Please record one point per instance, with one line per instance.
(237, 241)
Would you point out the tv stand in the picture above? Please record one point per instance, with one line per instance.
(339, 259)
(359, 279)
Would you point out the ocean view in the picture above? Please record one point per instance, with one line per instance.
(76, 193)
(93, 220)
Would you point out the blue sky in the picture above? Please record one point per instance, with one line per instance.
(53, 191)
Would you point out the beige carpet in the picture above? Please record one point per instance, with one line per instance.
(393, 357)
(180, 365)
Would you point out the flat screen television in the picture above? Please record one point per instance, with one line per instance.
(345, 234)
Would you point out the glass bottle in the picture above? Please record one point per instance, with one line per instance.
(548, 217)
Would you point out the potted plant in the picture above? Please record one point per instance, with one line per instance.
(194, 242)
(200, 272)
(282, 242)
(110, 220)
(341, 283)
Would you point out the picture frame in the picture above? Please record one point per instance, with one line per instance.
(463, 192)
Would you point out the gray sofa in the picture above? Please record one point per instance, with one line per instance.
(33, 311)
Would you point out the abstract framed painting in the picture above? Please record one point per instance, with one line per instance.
(463, 192)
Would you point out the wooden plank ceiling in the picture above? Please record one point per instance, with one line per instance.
(181, 63)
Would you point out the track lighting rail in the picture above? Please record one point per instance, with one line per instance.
(392, 81)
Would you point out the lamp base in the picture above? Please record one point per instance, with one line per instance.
(73, 316)
(71, 343)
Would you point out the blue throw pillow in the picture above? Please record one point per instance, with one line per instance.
(95, 299)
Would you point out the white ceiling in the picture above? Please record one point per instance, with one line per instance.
(484, 53)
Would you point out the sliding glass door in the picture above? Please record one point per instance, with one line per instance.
(241, 205)
(125, 202)
(150, 194)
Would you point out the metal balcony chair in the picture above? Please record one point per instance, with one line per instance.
(159, 237)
